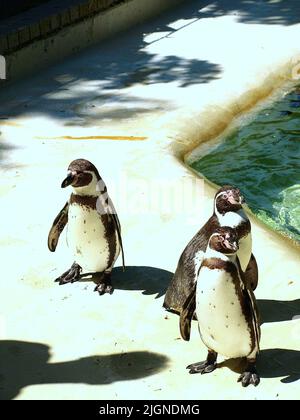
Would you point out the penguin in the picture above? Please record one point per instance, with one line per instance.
(228, 211)
(93, 227)
(227, 314)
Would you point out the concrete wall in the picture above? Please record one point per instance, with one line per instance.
(47, 19)
(80, 35)
(14, 7)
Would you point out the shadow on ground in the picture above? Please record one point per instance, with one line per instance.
(150, 280)
(91, 87)
(5, 148)
(24, 364)
(271, 363)
(280, 12)
(278, 310)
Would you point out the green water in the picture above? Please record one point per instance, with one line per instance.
(262, 158)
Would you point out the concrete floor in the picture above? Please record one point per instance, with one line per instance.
(174, 81)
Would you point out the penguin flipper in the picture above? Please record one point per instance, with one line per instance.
(252, 309)
(250, 300)
(118, 229)
(251, 273)
(107, 204)
(255, 315)
(57, 227)
(187, 314)
(186, 273)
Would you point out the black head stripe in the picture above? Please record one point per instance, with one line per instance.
(82, 165)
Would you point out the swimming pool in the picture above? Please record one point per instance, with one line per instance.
(262, 157)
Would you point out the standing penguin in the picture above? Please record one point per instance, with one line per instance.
(228, 211)
(225, 306)
(93, 231)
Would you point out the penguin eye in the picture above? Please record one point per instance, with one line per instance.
(225, 196)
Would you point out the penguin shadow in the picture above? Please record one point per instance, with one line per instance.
(150, 280)
(25, 364)
(271, 363)
(278, 310)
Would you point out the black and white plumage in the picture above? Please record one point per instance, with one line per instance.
(93, 227)
(228, 211)
(226, 308)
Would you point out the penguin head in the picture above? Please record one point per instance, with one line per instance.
(224, 240)
(228, 198)
(83, 176)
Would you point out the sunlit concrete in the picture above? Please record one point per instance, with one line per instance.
(176, 81)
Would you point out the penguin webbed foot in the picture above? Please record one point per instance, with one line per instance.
(209, 365)
(71, 275)
(201, 367)
(104, 285)
(250, 376)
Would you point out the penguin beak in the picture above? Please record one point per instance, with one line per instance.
(236, 200)
(233, 246)
(68, 180)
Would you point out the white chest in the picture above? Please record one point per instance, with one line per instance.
(234, 220)
(223, 327)
(86, 238)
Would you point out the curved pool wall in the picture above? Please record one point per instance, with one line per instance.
(260, 154)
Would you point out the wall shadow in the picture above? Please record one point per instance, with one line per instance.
(91, 86)
(5, 147)
(24, 364)
(4, 151)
